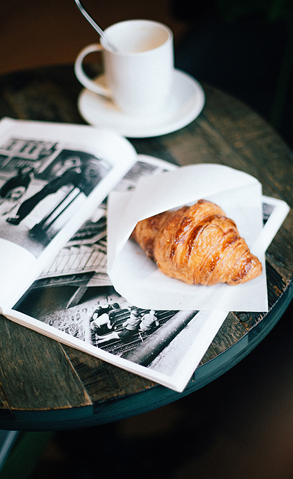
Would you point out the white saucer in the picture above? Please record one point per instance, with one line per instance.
(186, 102)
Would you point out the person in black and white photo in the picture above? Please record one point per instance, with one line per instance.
(148, 322)
(84, 176)
(130, 328)
(20, 181)
(13, 190)
(103, 318)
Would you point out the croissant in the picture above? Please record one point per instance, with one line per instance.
(197, 245)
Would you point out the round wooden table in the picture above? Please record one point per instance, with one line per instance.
(45, 385)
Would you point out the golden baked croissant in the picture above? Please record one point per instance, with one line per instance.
(198, 245)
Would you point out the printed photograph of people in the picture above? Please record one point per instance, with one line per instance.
(41, 185)
(102, 318)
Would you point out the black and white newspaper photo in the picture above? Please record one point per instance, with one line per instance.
(42, 185)
(52, 178)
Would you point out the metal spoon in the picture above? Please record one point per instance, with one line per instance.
(95, 26)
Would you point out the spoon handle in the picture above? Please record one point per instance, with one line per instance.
(94, 25)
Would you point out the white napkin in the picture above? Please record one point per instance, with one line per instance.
(139, 280)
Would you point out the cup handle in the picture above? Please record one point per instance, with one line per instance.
(84, 79)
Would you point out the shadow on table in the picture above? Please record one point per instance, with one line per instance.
(243, 421)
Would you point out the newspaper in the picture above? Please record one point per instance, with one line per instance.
(72, 298)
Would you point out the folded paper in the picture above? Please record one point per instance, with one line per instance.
(139, 280)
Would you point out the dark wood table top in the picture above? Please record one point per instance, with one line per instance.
(45, 385)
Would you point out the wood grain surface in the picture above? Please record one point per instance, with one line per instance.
(39, 376)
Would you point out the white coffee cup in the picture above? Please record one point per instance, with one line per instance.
(139, 74)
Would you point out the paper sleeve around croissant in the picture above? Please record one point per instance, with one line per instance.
(197, 245)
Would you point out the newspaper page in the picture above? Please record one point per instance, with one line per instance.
(52, 177)
(74, 302)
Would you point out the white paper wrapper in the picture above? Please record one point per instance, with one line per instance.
(139, 280)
